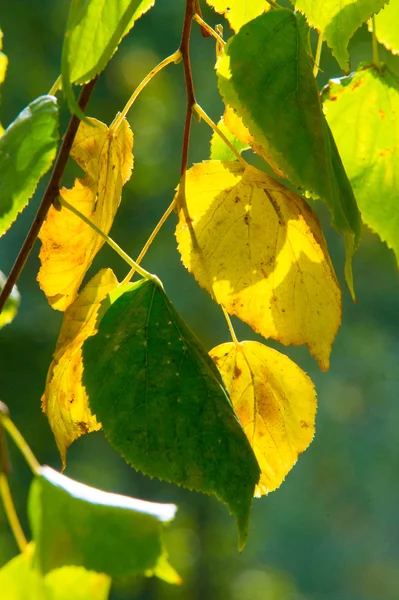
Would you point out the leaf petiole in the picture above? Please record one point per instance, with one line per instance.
(317, 56)
(18, 439)
(11, 514)
(209, 29)
(152, 237)
(230, 326)
(376, 56)
(109, 240)
(56, 86)
(175, 57)
(201, 113)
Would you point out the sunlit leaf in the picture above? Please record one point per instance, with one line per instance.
(65, 399)
(258, 249)
(363, 114)
(337, 21)
(219, 148)
(27, 150)
(20, 580)
(68, 244)
(3, 67)
(265, 74)
(386, 26)
(94, 31)
(74, 524)
(239, 12)
(275, 402)
(11, 306)
(162, 403)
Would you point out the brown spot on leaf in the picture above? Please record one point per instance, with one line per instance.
(237, 372)
(304, 425)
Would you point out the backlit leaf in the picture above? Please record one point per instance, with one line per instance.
(94, 30)
(219, 148)
(68, 244)
(258, 249)
(337, 21)
(19, 580)
(27, 150)
(275, 402)
(362, 111)
(265, 74)
(162, 403)
(3, 67)
(74, 524)
(11, 306)
(239, 12)
(65, 400)
(386, 26)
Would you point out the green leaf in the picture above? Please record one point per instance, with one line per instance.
(161, 400)
(266, 75)
(74, 524)
(27, 150)
(386, 26)
(362, 111)
(219, 148)
(10, 309)
(337, 21)
(94, 30)
(19, 580)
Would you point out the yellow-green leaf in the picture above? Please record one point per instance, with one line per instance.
(386, 26)
(258, 249)
(219, 149)
(275, 402)
(65, 399)
(11, 306)
(239, 12)
(68, 244)
(3, 67)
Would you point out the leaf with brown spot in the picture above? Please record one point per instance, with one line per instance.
(65, 400)
(68, 244)
(258, 249)
(275, 402)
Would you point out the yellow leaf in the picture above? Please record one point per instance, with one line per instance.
(258, 249)
(3, 60)
(275, 402)
(68, 244)
(65, 400)
(239, 12)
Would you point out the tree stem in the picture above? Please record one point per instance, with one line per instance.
(175, 57)
(50, 195)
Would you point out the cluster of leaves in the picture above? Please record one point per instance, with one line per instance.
(233, 421)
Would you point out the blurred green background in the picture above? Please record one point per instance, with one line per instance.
(331, 532)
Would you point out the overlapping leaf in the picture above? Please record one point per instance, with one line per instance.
(11, 306)
(265, 74)
(65, 399)
(27, 150)
(68, 244)
(337, 21)
(94, 31)
(74, 524)
(387, 30)
(239, 12)
(162, 403)
(219, 148)
(258, 249)
(275, 402)
(362, 111)
(19, 580)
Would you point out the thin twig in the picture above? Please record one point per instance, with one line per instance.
(50, 195)
(209, 29)
(109, 240)
(152, 237)
(11, 513)
(318, 56)
(200, 112)
(188, 78)
(175, 57)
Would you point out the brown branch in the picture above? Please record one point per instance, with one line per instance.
(50, 195)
